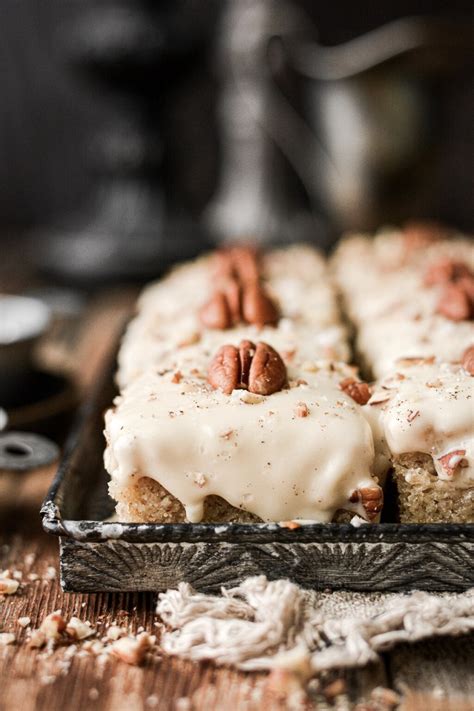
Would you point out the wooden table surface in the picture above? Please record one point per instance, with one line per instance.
(431, 676)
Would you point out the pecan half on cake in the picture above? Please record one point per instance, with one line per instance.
(289, 303)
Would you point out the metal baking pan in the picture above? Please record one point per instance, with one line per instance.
(98, 555)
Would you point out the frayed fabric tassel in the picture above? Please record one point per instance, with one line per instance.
(265, 625)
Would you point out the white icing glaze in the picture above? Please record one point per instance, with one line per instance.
(168, 322)
(384, 341)
(385, 295)
(427, 408)
(253, 451)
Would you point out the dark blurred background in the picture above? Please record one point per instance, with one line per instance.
(159, 124)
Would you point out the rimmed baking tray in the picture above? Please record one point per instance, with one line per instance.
(99, 555)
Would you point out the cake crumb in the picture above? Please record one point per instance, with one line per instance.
(387, 697)
(152, 701)
(357, 521)
(114, 632)
(8, 586)
(132, 650)
(6, 638)
(335, 688)
(302, 410)
(24, 621)
(78, 629)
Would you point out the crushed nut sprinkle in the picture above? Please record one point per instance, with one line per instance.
(53, 625)
(132, 650)
(467, 361)
(357, 390)
(291, 525)
(446, 270)
(451, 461)
(302, 410)
(371, 499)
(379, 400)
(78, 629)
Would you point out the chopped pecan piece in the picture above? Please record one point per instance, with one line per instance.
(256, 368)
(302, 410)
(53, 625)
(371, 498)
(356, 389)
(455, 303)
(415, 360)
(132, 650)
(467, 361)
(451, 461)
(292, 525)
(446, 270)
(466, 283)
(421, 234)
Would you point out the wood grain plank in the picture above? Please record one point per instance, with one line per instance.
(436, 674)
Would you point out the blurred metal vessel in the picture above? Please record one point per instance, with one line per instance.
(358, 123)
(367, 141)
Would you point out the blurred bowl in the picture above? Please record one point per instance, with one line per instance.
(23, 321)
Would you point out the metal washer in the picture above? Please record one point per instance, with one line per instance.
(22, 451)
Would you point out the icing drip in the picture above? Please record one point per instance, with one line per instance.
(268, 455)
(428, 408)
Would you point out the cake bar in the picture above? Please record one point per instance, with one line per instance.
(240, 436)
(423, 419)
(170, 312)
(409, 293)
